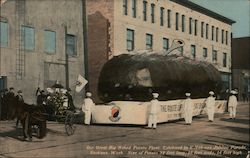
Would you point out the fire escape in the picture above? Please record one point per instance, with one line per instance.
(20, 39)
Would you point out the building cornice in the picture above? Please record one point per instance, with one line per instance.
(203, 10)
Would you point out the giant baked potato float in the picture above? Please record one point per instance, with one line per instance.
(135, 75)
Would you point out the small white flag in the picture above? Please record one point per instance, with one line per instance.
(80, 83)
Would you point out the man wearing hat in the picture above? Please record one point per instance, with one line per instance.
(71, 105)
(4, 104)
(11, 93)
(87, 107)
(41, 98)
(19, 96)
(10, 99)
(210, 105)
(187, 109)
(232, 104)
(153, 111)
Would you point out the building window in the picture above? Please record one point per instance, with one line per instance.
(214, 56)
(222, 36)
(212, 33)
(28, 38)
(225, 81)
(165, 44)
(130, 39)
(145, 10)
(207, 31)
(49, 41)
(226, 37)
(153, 13)
(202, 29)
(193, 51)
(149, 41)
(190, 25)
(195, 27)
(176, 21)
(169, 18)
(125, 7)
(224, 59)
(217, 34)
(205, 52)
(181, 49)
(134, 8)
(4, 29)
(183, 23)
(162, 16)
(71, 44)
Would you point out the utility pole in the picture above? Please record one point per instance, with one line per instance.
(85, 42)
(231, 79)
(66, 59)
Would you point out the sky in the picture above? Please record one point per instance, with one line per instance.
(237, 10)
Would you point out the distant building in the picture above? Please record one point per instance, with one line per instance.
(116, 27)
(241, 66)
(35, 36)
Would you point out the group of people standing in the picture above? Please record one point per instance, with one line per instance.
(188, 107)
(7, 96)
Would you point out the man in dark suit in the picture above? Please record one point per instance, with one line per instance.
(4, 105)
(41, 98)
(10, 99)
(71, 105)
(19, 98)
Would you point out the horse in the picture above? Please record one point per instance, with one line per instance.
(29, 116)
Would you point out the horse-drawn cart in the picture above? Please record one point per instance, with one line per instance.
(54, 108)
(57, 109)
(68, 118)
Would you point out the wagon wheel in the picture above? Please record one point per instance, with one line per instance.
(69, 124)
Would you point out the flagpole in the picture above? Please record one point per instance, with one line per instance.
(75, 87)
(66, 59)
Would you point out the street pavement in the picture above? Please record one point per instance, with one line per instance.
(222, 138)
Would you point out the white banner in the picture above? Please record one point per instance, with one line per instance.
(130, 112)
(80, 83)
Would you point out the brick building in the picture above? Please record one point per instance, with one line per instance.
(116, 27)
(241, 66)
